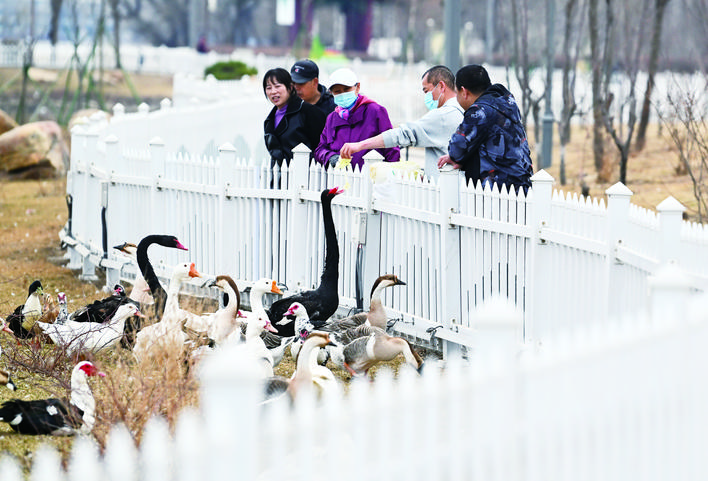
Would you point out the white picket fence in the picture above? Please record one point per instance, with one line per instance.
(616, 401)
(562, 260)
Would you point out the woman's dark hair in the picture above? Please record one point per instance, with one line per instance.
(474, 78)
(281, 76)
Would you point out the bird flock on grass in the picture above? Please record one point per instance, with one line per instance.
(300, 325)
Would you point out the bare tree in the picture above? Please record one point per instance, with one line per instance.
(572, 36)
(54, 20)
(659, 10)
(596, 62)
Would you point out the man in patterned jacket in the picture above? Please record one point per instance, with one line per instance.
(490, 144)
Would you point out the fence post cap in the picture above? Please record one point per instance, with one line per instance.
(111, 139)
(542, 177)
(619, 190)
(157, 141)
(227, 147)
(373, 156)
(670, 204)
(301, 149)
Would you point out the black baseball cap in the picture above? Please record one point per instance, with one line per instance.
(304, 71)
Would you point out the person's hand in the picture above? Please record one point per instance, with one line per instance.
(349, 149)
(446, 160)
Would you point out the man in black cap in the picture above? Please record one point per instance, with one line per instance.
(305, 75)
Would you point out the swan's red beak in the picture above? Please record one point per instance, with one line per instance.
(180, 246)
(336, 190)
(193, 271)
(275, 289)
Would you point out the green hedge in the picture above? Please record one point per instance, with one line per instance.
(232, 70)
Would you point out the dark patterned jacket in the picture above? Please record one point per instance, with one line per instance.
(490, 143)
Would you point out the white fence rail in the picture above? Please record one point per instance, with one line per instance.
(608, 402)
(562, 261)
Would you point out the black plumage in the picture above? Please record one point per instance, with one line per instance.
(320, 303)
(41, 416)
(101, 310)
(158, 292)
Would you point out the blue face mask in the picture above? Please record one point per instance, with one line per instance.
(346, 100)
(430, 102)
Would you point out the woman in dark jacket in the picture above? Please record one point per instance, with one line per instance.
(292, 121)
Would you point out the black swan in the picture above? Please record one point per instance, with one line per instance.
(156, 289)
(320, 303)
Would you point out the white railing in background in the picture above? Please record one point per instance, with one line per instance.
(562, 261)
(612, 401)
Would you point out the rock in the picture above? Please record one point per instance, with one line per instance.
(35, 149)
(6, 122)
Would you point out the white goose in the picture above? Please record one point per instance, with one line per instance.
(307, 375)
(256, 321)
(363, 353)
(219, 325)
(90, 336)
(167, 335)
(56, 416)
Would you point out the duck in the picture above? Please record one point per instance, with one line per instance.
(168, 333)
(364, 352)
(321, 303)
(101, 310)
(5, 378)
(303, 328)
(54, 416)
(257, 321)
(63, 314)
(375, 316)
(77, 336)
(24, 316)
(158, 293)
(307, 375)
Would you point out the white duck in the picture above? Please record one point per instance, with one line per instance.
(167, 335)
(256, 321)
(56, 416)
(5, 378)
(303, 328)
(90, 336)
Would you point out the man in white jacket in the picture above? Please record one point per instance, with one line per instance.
(432, 131)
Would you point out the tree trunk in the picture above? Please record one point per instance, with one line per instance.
(660, 9)
(54, 21)
(115, 14)
(598, 148)
(570, 58)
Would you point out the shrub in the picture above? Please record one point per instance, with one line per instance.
(232, 70)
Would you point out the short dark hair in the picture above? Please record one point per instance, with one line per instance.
(440, 73)
(474, 78)
(281, 76)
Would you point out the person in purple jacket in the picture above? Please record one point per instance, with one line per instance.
(355, 118)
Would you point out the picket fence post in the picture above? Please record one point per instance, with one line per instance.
(618, 199)
(369, 234)
(227, 175)
(538, 297)
(670, 217)
(158, 154)
(73, 184)
(230, 392)
(450, 256)
(297, 263)
(88, 269)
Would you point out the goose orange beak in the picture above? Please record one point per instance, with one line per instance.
(275, 289)
(193, 271)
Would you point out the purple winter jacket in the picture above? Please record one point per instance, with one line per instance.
(366, 119)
